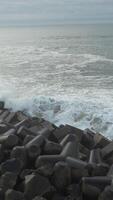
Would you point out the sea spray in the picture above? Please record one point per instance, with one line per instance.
(78, 113)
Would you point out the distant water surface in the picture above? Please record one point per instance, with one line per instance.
(62, 73)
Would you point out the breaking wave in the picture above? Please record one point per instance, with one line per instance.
(76, 112)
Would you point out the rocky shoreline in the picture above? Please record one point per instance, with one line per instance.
(39, 161)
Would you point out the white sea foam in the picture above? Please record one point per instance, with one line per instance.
(73, 111)
(39, 71)
(65, 76)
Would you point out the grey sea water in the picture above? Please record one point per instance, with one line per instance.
(62, 73)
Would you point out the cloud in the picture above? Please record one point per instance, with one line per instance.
(35, 12)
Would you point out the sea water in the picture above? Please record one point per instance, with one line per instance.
(61, 73)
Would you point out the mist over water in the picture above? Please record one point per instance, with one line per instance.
(64, 74)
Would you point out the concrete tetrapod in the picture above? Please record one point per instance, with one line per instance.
(8, 139)
(96, 166)
(34, 146)
(61, 175)
(8, 181)
(36, 184)
(97, 181)
(70, 149)
(107, 194)
(19, 152)
(14, 195)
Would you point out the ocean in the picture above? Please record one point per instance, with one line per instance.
(61, 73)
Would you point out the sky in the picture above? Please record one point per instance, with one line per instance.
(44, 12)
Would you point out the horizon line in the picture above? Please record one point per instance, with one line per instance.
(59, 24)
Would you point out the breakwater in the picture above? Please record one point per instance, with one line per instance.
(40, 161)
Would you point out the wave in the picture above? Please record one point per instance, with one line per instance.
(32, 70)
(92, 58)
(79, 113)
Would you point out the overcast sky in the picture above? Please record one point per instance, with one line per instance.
(42, 12)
